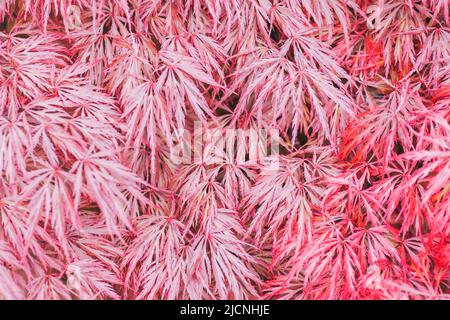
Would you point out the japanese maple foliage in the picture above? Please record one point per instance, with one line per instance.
(99, 98)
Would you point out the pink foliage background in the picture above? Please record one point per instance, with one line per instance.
(92, 94)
